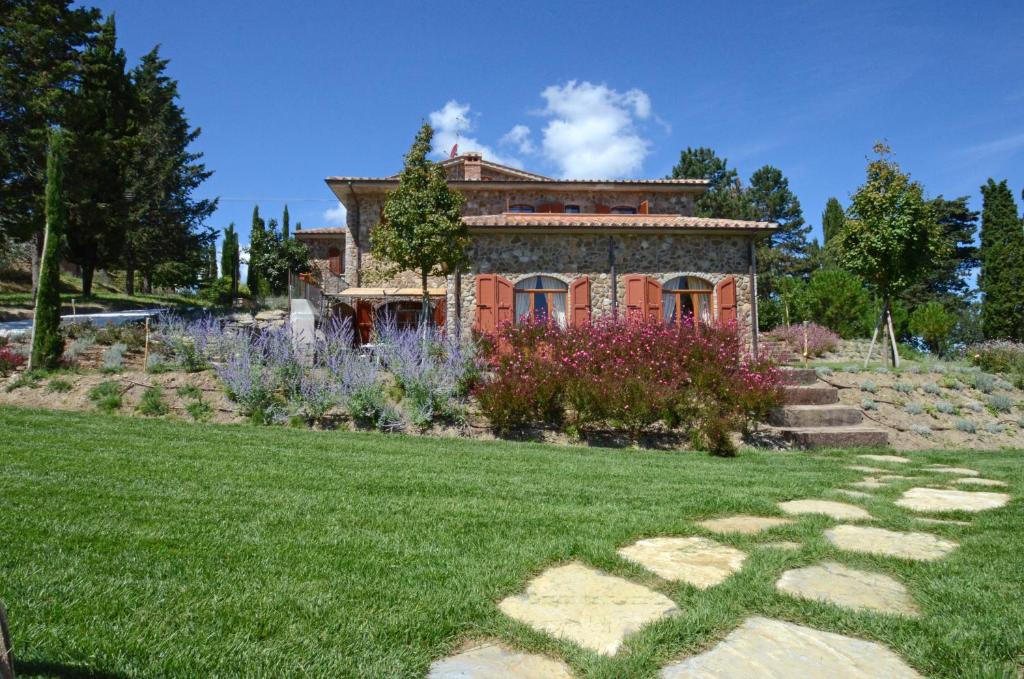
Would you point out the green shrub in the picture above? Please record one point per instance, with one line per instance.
(190, 391)
(1000, 403)
(113, 358)
(913, 408)
(868, 386)
(106, 396)
(30, 379)
(853, 369)
(156, 364)
(903, 387)
(965, 426)
(152, 402)
(132, 335)
(868, 404)
(994, 428)
(951, 383)
(921, 429)
(58, 385)
(945, 407)
(199, 410)
(823, 371)
(931, 388)
(1000, 356)
(934, 325)
(76, 347)
(984, 383)
(366, 406)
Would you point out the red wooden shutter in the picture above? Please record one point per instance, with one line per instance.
(334, 261)
(551, 207)
(602, 209)
(726, 290)
(364, 321)
(653, 299)
(636, 296)
(504, 300)
(644, 208)
(486, 300)
(579, 291)
(440, 312)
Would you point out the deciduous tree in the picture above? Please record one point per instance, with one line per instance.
(421, 226)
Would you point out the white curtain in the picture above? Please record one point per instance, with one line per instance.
(558, 310)
(522, 305)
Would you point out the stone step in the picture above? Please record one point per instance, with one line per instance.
(836, 437)
(815, 416)
(799, 376)
(810, 395)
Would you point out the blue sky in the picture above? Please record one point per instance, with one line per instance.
(289, 93)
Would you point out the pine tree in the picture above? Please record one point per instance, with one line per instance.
(832, 220)
(421, 227)
(47, 342)
(284, 224)
(166, 238)
(41, 42)
(1002, 264)
(946, 279)
(98, 121)
(725, 197)
(785, 251)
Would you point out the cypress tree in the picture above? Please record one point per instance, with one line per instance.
(832, 220)
(284, 224)
(229, 257)
(1002, 264)
(255, 238)
(47, 342)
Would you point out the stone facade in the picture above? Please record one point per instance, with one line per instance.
(319, 245)
(568, 256)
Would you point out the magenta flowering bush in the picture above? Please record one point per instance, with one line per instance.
(630, 375)
(820, 340)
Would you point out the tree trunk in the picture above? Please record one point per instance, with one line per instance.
(87, 272)
(37, 256)
(129, 280)
(147, 283)
(874, 335)
(425, 311)
(892, 338)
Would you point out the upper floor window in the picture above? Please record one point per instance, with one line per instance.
(541, 298)
(572, 209)
(686, 296)
(623, 210)
(520, 208)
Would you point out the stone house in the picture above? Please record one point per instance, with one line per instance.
(563, 249)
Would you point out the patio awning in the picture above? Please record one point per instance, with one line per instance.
(370, 293)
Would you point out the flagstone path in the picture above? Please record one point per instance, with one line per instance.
(700, 562)
(593, 609)
(494, 660)
(599, 611)
(836, 584)
(773, 649)
(914, 546)
(945, 500)
(745, 524)
(837, 510)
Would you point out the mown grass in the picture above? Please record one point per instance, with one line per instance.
(140, 548)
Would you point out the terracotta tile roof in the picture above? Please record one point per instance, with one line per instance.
(483, 183)
(495, 166)
(322, 231)
(590, 221)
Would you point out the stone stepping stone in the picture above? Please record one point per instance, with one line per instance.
(773, 649)
(913, 546)
(787, 545)
(944, 522)
(868, 484)
(948, 500)
(959, 471)
(837, 510)
(895, 477)
(868, 470)
(700, 562)
(974, 481)
(593, 609)
(836, 584)
(854, 493)
(885, 458)
(491, 661)
(743, 523)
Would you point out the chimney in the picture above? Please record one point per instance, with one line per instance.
(471, 165)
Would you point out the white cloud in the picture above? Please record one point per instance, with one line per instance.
(519, 136)
(593, 129)
(335, 216)
(452, 125)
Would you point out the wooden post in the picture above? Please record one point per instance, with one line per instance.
(874, 335)
(892, 339)
(805, 344)
(6, 650)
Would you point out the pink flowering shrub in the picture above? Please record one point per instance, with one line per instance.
(820, 340)
(9, 359)
(631, 375)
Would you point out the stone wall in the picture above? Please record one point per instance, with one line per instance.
(567, 256)
(318, 246)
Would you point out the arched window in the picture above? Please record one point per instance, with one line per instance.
(520, 208)
(405, 315)
(541, 298)
(335, 263)
(686, 296)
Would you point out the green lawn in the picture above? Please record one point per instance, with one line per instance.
(141, 548)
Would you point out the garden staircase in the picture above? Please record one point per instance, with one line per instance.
(812, 416)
